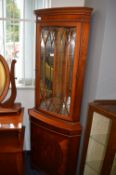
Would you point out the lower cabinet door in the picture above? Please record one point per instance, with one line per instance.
(53, 152)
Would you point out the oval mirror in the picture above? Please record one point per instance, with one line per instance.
(4, 78)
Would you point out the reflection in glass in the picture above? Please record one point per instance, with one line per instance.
(14, 9)
(56, 66)
(97, 144)
(2, 78)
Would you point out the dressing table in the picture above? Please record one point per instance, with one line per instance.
(11, 123)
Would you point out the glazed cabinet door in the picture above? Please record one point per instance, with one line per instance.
(57, 69)
(98, 142)
(61, 49)
(99, 151)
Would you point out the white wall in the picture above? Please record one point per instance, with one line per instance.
(100, 80)
(63, 3)
(106, 87)
(26, 97)
(96, 41)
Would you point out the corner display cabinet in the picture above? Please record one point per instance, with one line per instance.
(99, 151)
(61, 48)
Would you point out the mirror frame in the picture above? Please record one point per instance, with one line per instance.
(6, 87)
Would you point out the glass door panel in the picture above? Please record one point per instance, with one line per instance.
(56, 68)
(98, 140)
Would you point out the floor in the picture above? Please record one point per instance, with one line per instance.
(28, 169)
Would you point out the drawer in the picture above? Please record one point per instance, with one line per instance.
(11, 140)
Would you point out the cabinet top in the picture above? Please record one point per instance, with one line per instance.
(65, 10)
(12, 121)
(62, 12)
(105, 106)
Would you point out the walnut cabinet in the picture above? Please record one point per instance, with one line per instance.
(99, 151)
(61, 49)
